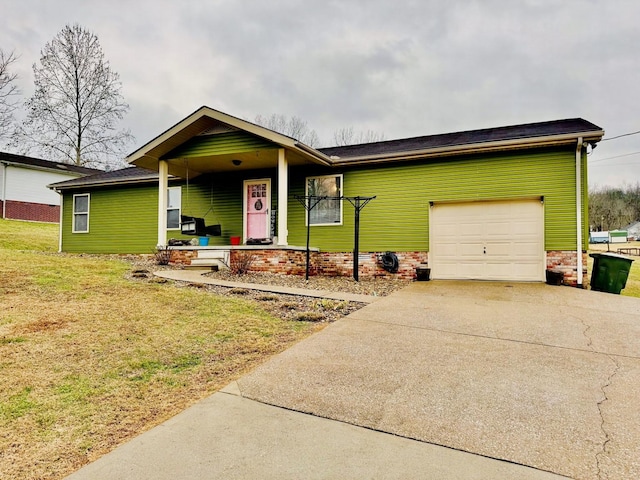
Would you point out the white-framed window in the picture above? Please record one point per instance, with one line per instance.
(80, 213)
(174, 205)
(327, 211)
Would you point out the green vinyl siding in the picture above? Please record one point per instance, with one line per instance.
(121, 220)
(124, 219)
(219, 144)
(398, 218)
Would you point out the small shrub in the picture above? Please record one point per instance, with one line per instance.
(240, 262)
(163, 255)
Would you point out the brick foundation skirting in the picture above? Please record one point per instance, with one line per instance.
(35, 212)
(293, 262)
(182, 257)
(566, 262)
(340, 264)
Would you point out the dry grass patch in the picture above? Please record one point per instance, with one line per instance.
(90, 359)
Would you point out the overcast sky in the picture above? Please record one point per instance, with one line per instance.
(403, 68)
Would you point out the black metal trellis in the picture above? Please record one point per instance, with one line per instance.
(309, 202)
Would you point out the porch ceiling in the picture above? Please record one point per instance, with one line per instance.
(252, 160)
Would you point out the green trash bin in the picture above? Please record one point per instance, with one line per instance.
(610, 272)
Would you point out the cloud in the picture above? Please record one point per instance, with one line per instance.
(405, 68)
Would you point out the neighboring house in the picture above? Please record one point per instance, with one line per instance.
(23, 187)
(633, 230)
(494, 204)
(599, 237)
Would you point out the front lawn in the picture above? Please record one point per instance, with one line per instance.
(89, 359)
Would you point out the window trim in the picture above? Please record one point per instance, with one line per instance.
(74, 214)
(340, 193)
(179, 187)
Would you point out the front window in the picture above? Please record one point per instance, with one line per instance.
(81, 213)
(174, 202)
(329, 210)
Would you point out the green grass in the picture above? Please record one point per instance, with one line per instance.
(90, 358)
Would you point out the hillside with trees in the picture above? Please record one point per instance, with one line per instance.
(613, 208)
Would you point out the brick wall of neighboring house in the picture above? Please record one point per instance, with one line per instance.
(566, 261)
(36, 212)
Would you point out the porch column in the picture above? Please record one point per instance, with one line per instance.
(283, 190)
(163, 185)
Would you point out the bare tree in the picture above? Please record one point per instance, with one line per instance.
(612, 208)
(8, 93)
(77, 104)
(299, 129)
(347, 136)
(293, 127)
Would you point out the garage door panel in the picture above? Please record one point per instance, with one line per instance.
(488, 240)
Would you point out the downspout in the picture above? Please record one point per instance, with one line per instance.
(579, 210)
(4, 190)
(60, 229)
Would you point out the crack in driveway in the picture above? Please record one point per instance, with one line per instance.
(605, 398)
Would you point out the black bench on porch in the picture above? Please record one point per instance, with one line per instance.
(196, 226)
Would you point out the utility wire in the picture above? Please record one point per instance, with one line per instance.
(616, 156)
(620, 136)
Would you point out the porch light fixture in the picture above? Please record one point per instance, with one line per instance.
(236, 162)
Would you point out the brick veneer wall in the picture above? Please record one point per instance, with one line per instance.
(566, 262)
(293, 262)
(341, 264)
(183, 257)
(36, 212)
(286, 262)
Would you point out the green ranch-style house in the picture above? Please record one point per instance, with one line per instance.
(504, 203)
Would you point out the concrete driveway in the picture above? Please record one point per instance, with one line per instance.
(543, 376)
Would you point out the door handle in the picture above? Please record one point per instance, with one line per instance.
(485, 250)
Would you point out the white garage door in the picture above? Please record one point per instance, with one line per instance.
(488, 240)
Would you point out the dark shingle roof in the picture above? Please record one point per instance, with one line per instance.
(514, 132)
(45, 164)
(125, 175)
(575, 126)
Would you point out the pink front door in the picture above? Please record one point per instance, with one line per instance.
(257, 205)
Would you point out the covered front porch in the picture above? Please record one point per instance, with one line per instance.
(243, 168)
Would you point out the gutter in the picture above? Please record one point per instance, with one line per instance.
(579, 210)
(550, 140)
(315, 153)
(104, 183)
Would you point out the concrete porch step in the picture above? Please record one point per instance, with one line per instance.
(214, 263)
(213, 254)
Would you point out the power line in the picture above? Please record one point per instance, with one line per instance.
(620, 136)
(616, 156)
